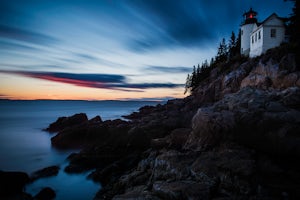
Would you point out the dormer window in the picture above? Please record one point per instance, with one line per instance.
(273, 33)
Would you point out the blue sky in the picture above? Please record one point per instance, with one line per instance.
(113, 49)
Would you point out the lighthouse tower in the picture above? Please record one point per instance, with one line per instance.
(246, 30)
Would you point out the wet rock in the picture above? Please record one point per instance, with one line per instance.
(46, 193)
(65, 122)
(159, 143)
(138, 192)
(12, 183)
(209, 128)
(45, 172)
(235, 137)
(181, 190)
(96, 120)
(172, 165)
(113, 171)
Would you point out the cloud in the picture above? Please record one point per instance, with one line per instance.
(19, 34)
(164, 69)
(85, 56)
(30, 67)
(190, 23)
(8, 45)
(187, 23)
(106, 81)
(4, 97)
(147, 85)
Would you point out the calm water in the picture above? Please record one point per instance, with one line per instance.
(25, 147)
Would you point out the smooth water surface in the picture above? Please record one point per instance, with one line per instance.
(25, 147)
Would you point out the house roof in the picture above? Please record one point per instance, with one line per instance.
(273, 15)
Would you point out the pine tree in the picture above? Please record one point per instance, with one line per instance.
(232, 49)
(212, 62)
(222, 52)
(194, 78)
(187, 84)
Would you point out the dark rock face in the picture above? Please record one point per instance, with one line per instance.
(46, 193)
(236, 137)
(45, 172)
(12, 183)
(250, 116)
(64, 122)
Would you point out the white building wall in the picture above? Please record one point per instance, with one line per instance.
(256, 42)
(260, 46)
(245, 38)
(271, 42)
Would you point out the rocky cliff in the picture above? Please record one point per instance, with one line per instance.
(236, 137)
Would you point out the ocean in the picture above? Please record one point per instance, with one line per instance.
(24, 146)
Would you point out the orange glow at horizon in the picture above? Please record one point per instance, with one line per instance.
(25, 88)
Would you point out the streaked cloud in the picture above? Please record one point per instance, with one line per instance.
(171, 69)
(8, 45)
(105, 81)
(86, 56)
(25, 35)
(128, 45)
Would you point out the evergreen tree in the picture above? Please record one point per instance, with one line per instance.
(294, 29)
(222, 52)
(232, 47)
(187, 84)
(194, 78)
(294, 25)
(212, 62)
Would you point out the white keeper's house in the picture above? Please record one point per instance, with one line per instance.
(257, 38)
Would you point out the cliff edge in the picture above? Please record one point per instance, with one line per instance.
(236, 137)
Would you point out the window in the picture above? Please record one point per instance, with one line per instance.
(273, 33)
(259, 35)
(252, 39)
(255, 37)
(241, 32)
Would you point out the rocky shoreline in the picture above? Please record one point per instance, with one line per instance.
(236, 137)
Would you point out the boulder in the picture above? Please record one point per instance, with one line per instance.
(45, 172)
(96, 120)
(65, 122)
(265, 120)
(12, 183)
(181, 190)
(46, 193)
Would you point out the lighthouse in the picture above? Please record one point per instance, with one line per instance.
(246, 30)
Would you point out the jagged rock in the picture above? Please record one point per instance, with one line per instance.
(172, 165)
(65, 122)
(236, 137)
(159, 143)
(12, 183)
(113, 171)
(259, 119)
(271, 74)
(181, 190)
(96, 120)
(46, 193)
(45, 172)
(92, 133)
(138, 193)
(231, 82)
(209, 128)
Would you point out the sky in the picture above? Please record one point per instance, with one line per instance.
(113, 49)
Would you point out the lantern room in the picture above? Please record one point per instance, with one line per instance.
(250, 17)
